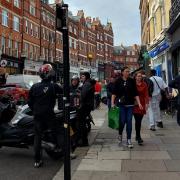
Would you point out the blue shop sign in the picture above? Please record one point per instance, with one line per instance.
(159, 49)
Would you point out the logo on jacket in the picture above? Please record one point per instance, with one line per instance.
(45, 90)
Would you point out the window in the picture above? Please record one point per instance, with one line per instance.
(16, 49)
(70, 28)
(16, 23)
(70, 42)
(31, 29)
(16, 3)
(3, 44)
(75, 31)
(128, 53)
(4, 18)
(32, 10)
(26, 26)
(133, 53)
(9, 47)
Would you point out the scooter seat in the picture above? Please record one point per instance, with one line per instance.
(26, 121)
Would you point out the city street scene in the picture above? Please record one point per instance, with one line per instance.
(89, 90)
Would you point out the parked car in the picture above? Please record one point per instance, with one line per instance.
(18, 87)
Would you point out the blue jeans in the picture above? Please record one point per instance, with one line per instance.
(109, 103)
(126, 114)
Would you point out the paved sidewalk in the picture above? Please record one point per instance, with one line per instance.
(159, 158)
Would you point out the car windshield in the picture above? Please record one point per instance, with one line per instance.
(23, 80)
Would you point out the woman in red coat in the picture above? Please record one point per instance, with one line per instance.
(142, 89)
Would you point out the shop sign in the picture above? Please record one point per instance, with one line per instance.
(32, 65)
(159, 49)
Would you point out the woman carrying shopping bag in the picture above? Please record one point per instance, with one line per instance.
(142, 89)
(125, 90)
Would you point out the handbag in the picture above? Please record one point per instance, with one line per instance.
(164, 99)
(113, 117)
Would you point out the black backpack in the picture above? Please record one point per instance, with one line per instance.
(150, 85)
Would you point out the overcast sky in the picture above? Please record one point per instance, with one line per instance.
(124, 15)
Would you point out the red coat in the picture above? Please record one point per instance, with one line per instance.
(98, 87)
(143, 96)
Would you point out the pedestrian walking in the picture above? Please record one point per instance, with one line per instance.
(143, 93)
(109, 89)
(42, 99)
(125, 90)
(98, 88)
(154, 103)
(176, 85)
(86, 106)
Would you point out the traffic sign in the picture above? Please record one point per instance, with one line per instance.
(3, 63)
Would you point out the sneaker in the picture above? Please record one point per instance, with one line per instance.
(129, 144)
(152, 128)
(73, 156)
(38, 164)
(160, 124)
(140, 141)
(120, 139)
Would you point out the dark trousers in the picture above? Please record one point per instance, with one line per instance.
(138, 121)
(83, 112)
(178, 115)
(126, 113)
(41, 124)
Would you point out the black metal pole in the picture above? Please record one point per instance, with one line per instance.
(66, 98)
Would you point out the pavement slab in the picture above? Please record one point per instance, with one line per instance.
(154, 176)
(116, 155)
(100, 165)
(143, 165)
(151, 155)
(173, 165)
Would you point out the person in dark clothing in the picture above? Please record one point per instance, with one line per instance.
(109, 88)
(42, 99)
(149, 83)
(86, 106)
(75, 93)
(176, 85)
(126, 91)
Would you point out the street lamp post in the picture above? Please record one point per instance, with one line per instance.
(62, 25)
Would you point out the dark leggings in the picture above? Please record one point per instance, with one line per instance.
(138, 121)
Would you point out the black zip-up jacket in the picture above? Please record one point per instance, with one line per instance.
(87, 94)
(176, 85)
(126, 91)
(42, 98)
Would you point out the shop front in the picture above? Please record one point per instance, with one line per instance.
(32, 67)
(12, 65)
(101, 72)
(74, 71)
(160, 58)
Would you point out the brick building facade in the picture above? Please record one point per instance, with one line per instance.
(127, 56)
(28, 35)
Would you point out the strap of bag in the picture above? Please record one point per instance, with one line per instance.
(157, 83)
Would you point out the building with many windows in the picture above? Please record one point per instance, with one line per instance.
(28, 38)
(174, 32)
(154, 24)
(126, 56)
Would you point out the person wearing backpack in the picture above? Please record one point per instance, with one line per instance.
(154, 103)
(176, 85)
(149, 83)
